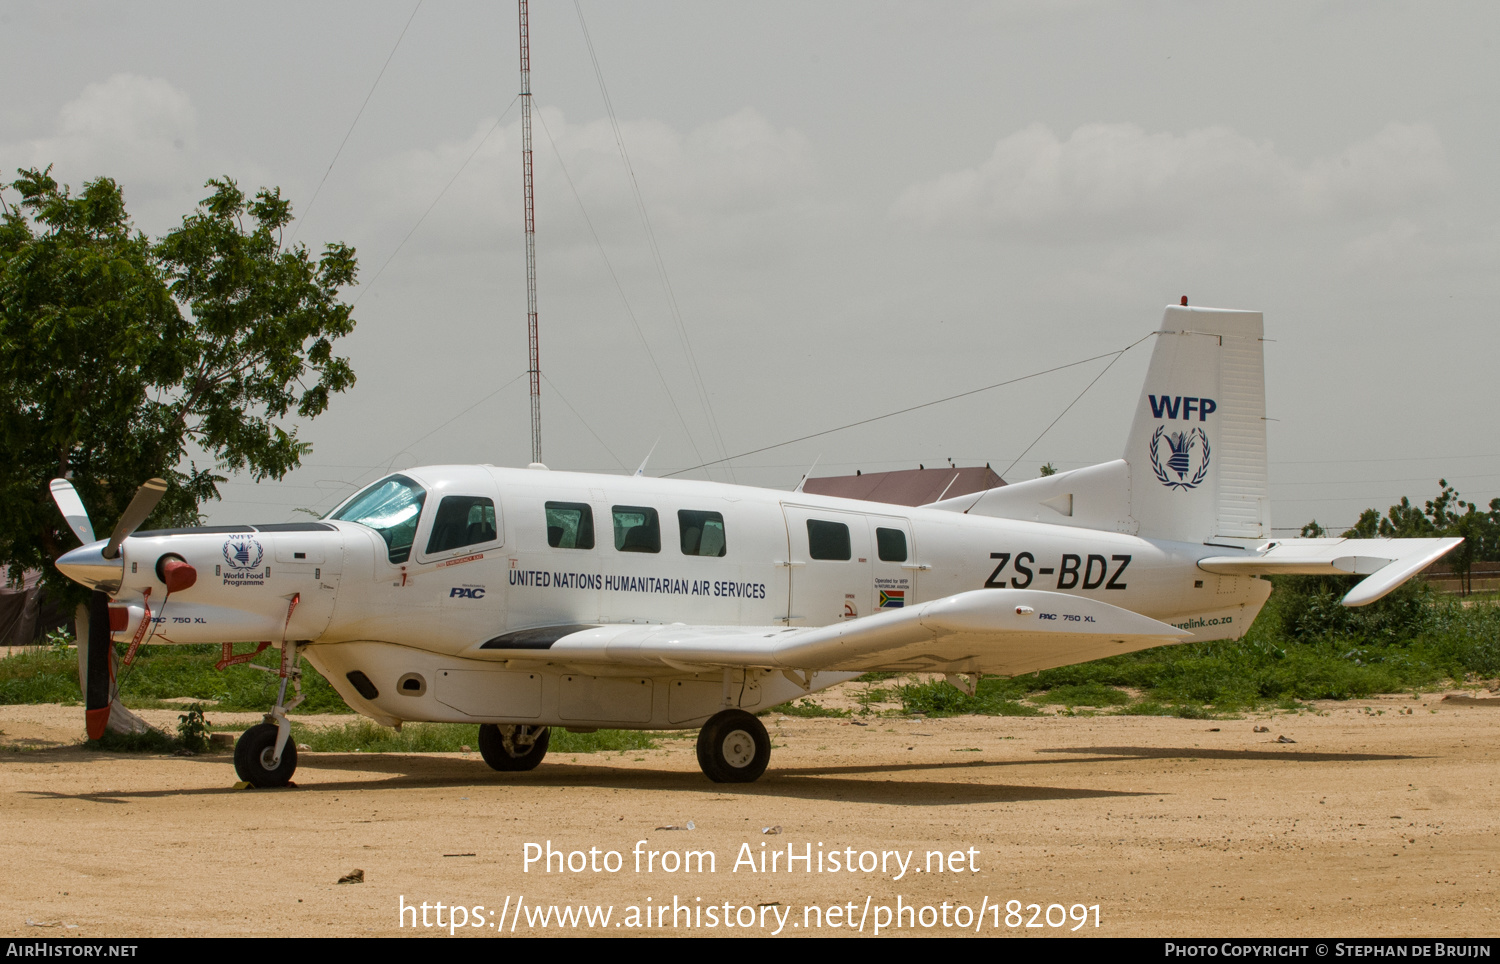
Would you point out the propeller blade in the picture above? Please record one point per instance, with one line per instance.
(72, 509)
(96, 683)
(135, 513)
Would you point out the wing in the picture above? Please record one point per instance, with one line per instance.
(993, 631)
(1387, 562)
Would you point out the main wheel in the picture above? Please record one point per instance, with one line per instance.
(733, 747)
(253, 753)
(513, 747)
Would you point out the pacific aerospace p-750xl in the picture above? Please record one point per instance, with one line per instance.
(524, 599)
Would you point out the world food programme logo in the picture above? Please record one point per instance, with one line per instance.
(1179, 463)
(243, 553)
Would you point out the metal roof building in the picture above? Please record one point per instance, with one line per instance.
(917, 486)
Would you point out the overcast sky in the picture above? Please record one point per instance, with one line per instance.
(858, 207)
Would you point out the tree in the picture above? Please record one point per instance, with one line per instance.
(1368, 526)
(1446, 515)
(1047, 470)
(118, 353)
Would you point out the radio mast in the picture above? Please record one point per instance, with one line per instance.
(535, 371)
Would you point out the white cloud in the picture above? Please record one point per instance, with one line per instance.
(138, 130)
(740, 165)
(1110, 179)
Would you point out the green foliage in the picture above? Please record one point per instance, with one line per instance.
(151, 741)
(937, 698)
(162, 673)
(1446, 515)
(192, 729)
(370, 737)
(1309, 609)
(40, 676)
(167, 672)
(119, 354)
(1086, 694)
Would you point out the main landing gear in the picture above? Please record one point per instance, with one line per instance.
(513, 747)
(733, 747)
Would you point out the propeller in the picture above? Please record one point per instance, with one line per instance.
(97, 683)
(72, 509)
(135, 513)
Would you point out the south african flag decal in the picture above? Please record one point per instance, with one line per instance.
(892, 598)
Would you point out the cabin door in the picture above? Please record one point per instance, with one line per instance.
(831, 573)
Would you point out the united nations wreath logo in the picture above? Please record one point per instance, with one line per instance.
(1182, 446)
(243, 553)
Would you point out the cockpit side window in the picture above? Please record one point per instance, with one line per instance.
(392, 507)
(462, 520)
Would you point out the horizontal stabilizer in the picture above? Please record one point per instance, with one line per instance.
(1387, 562)
(998, 631)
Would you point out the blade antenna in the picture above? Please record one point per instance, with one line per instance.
(642, 469)
(808, 473)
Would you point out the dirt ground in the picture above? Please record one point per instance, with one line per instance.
(1378, 819)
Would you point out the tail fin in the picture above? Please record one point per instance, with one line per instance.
(1197, 448)
(1195, 465)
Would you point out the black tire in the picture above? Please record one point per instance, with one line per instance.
(516, 756)
(252, 757)
(733, 748)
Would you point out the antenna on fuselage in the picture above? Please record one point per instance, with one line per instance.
(642, 469)
(808, 473)
(535, 369)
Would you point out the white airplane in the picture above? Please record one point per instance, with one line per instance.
(524, 599)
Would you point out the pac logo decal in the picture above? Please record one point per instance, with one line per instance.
(1184, 449)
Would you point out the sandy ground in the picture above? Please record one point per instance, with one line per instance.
(1378, 820)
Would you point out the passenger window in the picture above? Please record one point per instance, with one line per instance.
(637, 529)
(570, 525)
(462, 520)
(890, 545)
(702, 533)
(827, 540)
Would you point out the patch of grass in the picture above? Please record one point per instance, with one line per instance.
(368, 736)
(601, 741)
(40, 676)
(1084, 694)
(1153, 708)
(163, 672)
(804, 708)
(152, 741)
(875, 677)
(937, 698)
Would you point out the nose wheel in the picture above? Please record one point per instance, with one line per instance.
(255, 758)
(733, 747)
(513, 747)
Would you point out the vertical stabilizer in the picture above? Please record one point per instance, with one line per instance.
(1197, 448)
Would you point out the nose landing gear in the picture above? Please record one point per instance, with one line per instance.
(264, 755)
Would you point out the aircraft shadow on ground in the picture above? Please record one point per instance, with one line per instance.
(841, 783)
(834, 783)
(1106, 753)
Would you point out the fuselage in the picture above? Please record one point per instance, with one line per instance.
(466, 566)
